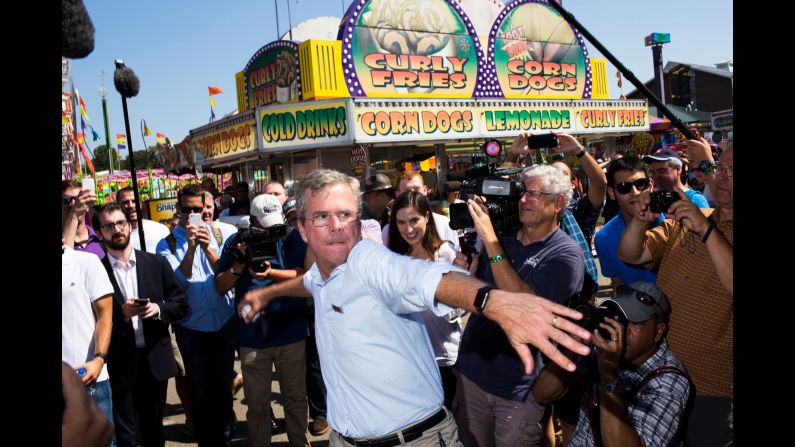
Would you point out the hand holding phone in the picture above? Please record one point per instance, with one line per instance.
(142, 301)
(88, 183)
(660, 201)
(195, 219)
(543, 140)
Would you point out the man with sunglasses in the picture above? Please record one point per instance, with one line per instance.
(140, 359)
(694, 251)
(75, 203)
(636, 390)
(206, 337)
(627, 178)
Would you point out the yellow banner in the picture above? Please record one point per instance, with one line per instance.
(322, 123)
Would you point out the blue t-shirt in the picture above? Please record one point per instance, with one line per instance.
(606, 243)
(553, 268)
(697, 198)
(284, 321)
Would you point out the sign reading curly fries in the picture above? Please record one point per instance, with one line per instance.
(272, 75)
(410, 48)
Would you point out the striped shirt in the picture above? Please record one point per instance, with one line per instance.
(569, 225)
(702, 311)
(657, 408)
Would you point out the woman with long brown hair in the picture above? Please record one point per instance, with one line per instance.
(412, 232)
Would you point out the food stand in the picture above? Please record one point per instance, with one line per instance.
(412, 84)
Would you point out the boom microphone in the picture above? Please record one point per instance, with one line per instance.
(77, 30)
(125, 80)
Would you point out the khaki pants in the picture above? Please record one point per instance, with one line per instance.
(444, 433)
(257, 366)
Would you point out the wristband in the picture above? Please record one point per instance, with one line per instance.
(581, 154)
(482, 297)
(708, 232)
(498, 258)
(102, 355)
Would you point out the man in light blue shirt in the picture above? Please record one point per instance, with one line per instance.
(666, 171)
(206, 337)
(378, 365)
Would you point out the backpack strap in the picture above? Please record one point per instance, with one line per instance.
(172, 243)
(218, 236)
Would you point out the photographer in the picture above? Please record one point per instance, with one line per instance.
(495, 407)
(636, 391)
(279, 336)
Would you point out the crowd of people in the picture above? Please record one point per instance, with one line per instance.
(383, 332)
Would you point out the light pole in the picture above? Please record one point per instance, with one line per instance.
(102, 93)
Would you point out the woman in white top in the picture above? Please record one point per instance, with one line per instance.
(412, 232)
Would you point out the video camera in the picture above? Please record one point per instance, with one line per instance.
(502, 197)
(260, 246)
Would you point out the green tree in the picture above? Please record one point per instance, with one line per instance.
(143, 158)
(101, 158)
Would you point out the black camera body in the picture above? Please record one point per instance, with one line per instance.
(593, 316)
(260, 245)
(502, 201)
(660, 201)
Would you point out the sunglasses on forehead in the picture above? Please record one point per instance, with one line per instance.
(625, 187)
(640, 296)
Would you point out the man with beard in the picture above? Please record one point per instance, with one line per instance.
(146, 299)
(694, 251)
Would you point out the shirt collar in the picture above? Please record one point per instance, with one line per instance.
(115, 262)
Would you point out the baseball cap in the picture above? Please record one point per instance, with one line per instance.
(267, 209)
(377, 182)
(289, 206)
(641, 301)
(664, 154)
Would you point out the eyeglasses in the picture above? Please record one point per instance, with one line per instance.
(323, 219)
(721, 169)
(120, 224)
(533, 194)
(640, 296)
(67, 199)
(625, 187)
(188, 209)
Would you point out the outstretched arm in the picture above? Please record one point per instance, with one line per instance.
(525, 318)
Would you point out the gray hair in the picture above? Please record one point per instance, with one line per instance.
(554, 180)
(320, 180)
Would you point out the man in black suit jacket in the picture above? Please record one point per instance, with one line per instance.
(147, 298)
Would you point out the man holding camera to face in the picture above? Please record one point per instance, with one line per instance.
(494, 402)
(252, 259)
(693, 249)
(635, 389)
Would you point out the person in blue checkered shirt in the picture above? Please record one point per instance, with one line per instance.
(636, 390)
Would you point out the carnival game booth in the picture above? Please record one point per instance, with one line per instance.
(419, 85)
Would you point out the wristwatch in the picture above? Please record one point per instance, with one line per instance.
(482, 298)
(707, 167)
(581, 153)
(102, 355)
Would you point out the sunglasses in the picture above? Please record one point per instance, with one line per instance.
(640, 296)
(188, 210)
(68, 199)
(625, 187)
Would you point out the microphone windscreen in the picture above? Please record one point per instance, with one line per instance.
(126, 82)
(77, 30)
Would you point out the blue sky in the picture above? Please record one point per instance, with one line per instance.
(178, 48)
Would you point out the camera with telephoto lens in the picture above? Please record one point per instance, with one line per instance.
(593, 316)
(260, 246)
